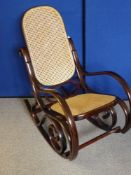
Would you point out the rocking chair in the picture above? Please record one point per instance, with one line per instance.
(52, 64)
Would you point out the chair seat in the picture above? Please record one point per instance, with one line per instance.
(85, 103)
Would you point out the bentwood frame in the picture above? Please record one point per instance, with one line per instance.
(60, 131)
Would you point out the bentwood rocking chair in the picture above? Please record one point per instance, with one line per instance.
(52, 64)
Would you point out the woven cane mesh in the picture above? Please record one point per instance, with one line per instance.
(48, 45)
(84, 103)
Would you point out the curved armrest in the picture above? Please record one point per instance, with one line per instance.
(59, 99)
(117, 77)
(69, 118)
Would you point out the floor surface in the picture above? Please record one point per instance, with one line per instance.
(23, 151)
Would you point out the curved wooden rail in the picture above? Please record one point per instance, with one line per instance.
(69, 119)
(125, 87)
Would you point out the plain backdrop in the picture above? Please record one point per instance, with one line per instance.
(108, 41)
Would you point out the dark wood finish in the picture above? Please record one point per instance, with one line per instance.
(114, 130)
(60, 131)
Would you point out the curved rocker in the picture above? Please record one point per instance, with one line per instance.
(52, 64)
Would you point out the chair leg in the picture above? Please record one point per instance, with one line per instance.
(127, 115)
(55, 131)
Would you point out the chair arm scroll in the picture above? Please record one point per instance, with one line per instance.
(69, 119)
(117, 77)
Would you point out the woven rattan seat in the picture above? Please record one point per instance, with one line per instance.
(85, 103)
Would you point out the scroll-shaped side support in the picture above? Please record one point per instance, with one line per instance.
(74, 143)
(123, 83)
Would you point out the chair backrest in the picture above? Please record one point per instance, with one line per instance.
(48, 45)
